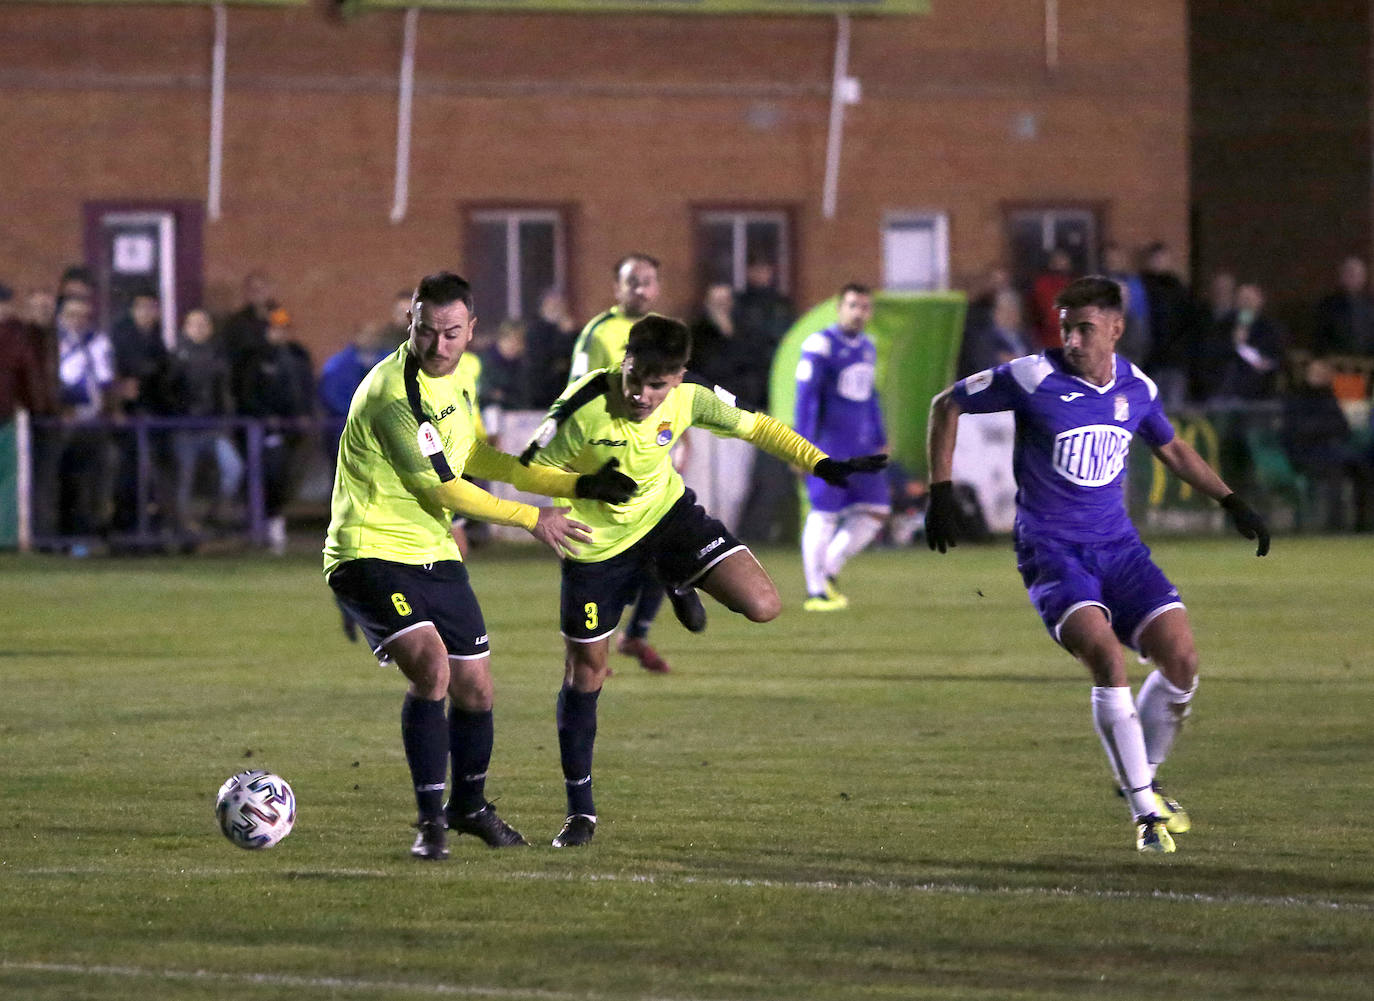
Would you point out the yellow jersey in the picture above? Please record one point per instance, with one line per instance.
(588, 424)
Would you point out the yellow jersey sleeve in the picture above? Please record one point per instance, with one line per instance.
(724, 419)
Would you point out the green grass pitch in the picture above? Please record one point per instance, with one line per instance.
(905, 800)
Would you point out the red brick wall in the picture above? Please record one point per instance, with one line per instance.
(630, 119)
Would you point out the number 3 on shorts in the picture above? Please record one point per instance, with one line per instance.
(399, 600)
(590, 609)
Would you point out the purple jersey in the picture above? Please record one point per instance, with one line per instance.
(1072, 441)
(837, 404)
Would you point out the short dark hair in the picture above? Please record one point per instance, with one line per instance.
(660, 344)
(443, 288)
(857, 288)
(648, 259)
(1090, 290)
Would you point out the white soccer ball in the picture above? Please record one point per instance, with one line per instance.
(255, 809)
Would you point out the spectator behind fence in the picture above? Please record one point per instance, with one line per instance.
(1173, 326)
(1321, 445)
(24, 382)
(549, 341)
(504, 381)
(75, 461)
(713, 338)
(243, 333)
(763, 316)
(279, 387)
(1052, 279)
(1345, 318)
(76, 280)
(140, 359)
(1135, 340)
(342, 373)
(1239, 359)
(1221, 297)
(140, 354)
(198, 386)
(1001, 339)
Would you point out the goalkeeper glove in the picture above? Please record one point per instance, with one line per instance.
(942, 517)
(836, 472)
(606, 484)
(1247, 521)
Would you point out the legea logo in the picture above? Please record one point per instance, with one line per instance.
(1091, 456)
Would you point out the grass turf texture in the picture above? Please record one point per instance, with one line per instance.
(904, 800)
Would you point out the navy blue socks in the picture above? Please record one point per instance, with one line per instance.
(424, 733)
(470, 740)
(576, 737)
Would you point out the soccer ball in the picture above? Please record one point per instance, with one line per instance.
(255, 809)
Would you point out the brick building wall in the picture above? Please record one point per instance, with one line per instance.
(628, 121)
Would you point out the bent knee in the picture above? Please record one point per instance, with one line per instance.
(763, 608)
(1179, 666)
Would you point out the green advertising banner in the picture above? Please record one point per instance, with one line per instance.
(918, 337)
(9, 486)
(660, 6)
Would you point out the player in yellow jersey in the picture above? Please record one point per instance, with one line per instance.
(602, 345)
(634, 413)
(396, 571)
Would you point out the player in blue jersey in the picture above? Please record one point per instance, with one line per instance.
(838, 412)
(1089, 575)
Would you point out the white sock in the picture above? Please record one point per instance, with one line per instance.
(856, 533)
(816, 535)
(1118, 725)
(1163, 707)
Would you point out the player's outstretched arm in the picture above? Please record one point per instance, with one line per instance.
(836, 472)
(942, 513)
(557, 531)
(1183, 461)
(606, 484)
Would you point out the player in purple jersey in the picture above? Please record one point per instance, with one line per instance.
(1089, 575)
(837, 411)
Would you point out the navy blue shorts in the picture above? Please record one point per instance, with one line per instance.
(685, 544)
(1118, 576)
(389, 599)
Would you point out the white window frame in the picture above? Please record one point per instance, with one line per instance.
(512, 218)
(739, 220)
(936, 224)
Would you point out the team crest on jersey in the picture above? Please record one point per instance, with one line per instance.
(1091, 456)
(1121, 408)
(665, 434)
(430, 442)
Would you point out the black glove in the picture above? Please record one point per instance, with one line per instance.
(606, 484)
(942, 517)
(836, 471)
(1247, 521)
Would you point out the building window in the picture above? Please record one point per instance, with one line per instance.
(1034, 231)
(514, 255)
(916, 251)
(726, 239)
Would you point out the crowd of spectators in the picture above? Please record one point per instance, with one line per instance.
(1220, 348)
(93, 478)
(108, 464)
